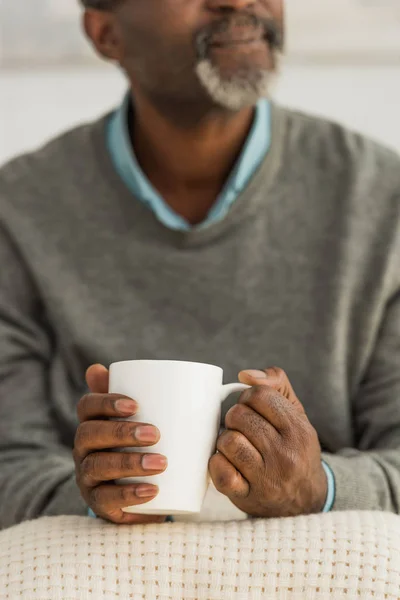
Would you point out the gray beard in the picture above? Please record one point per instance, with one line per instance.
(237, 92)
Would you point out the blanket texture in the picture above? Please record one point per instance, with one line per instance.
(349, 556)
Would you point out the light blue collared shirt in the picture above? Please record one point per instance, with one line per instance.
(125, 161)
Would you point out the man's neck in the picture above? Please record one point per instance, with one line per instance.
(188, 165)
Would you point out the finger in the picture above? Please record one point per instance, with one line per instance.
(108, 499)
(123, 518)
(100, 435)
(107, 466)
(227, 479)
(97, 379)
(275, 378)
(255, 427)
(272, 406)
(98, 405)
(241, 453)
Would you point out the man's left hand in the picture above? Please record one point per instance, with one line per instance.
(269, 458)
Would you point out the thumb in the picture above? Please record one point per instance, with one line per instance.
(275, 378)
(97, 379)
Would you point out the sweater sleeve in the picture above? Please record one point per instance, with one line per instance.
(36, 470)
(368, 477)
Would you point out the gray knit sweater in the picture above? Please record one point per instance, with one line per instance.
(303, 273)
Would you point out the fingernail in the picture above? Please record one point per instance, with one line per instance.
(154, 462)
(146, 433)
(146, 491)
(126, 407)
(256, 374)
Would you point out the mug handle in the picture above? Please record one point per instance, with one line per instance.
(230, 388)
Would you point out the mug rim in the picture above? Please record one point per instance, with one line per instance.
(162, 361)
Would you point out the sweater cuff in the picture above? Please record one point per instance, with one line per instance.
(330, 497)
(352, 481)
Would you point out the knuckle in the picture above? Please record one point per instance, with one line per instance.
(104, 465)
(87, 471)
(107, 403)
(234, 445)
(82, 436)
(304, 433)
(279, 374)
(96, 499)
(227, 441)
(124, 495)
(277, 403)
(128, 462)
(235, 414)
(284, 386)
(262, 391)
(217, 471)
(262, 394)
(254, 394)
(122, 430)
(275, 397)
(246, 396)
(224, 480)
(310, 439)
(82, 404)
(242, 453)
(96, 465)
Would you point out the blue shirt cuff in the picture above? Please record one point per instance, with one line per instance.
(330, 498)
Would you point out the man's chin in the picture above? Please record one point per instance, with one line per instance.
(239, 89)
(254, 56)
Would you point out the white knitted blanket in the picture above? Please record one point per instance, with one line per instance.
(335, 556)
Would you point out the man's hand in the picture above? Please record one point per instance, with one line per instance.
(269, 458)
(96, 466)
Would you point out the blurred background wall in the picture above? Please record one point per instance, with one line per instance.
(343, 61)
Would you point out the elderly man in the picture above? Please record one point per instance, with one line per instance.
(200, 221)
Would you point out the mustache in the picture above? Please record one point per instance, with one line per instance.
(272, 31)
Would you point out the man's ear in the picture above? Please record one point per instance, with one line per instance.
(101, 29)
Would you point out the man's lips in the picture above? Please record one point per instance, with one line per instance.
(243, 33)
(235, 42)
(238, 38)
(237, 35)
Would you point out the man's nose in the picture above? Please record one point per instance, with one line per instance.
(229, 5)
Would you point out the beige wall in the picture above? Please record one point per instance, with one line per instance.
(36, 105)
(344, 30)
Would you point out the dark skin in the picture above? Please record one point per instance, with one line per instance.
(268, 462)
(185, 144)
(269, 459)
(96, 468)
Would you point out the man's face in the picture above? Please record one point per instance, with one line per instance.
(220, 52)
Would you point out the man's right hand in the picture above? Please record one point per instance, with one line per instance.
(97, 467)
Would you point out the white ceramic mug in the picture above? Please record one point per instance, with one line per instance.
(182, 399)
